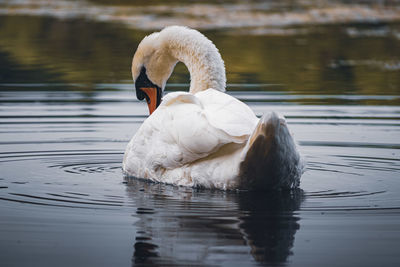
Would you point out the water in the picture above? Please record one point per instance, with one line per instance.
(67, 111)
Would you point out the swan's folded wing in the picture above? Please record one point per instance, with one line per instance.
(228, 114)
(186, 127)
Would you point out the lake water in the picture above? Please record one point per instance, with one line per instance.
(67, 111)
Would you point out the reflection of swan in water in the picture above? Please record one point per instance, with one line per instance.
(179, 226)
(203, 138)
(270, 225)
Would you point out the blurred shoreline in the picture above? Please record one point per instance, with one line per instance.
(259, 18)
(307, 47)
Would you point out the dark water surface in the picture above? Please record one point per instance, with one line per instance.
(67, 111)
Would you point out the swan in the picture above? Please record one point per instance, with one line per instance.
(205, 137)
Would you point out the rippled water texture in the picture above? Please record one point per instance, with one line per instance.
(67, 111)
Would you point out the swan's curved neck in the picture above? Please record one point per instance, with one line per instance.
(200, 56)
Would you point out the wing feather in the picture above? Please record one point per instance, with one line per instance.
(187, 127)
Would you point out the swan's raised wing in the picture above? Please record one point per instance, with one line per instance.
(187, 127)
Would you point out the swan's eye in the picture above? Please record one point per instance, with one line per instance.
(144, 81)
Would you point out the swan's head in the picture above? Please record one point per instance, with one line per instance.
(152, 65)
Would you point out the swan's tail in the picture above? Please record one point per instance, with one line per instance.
(270, 158)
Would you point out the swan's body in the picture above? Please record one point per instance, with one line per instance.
(205, 137)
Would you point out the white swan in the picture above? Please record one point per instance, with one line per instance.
(203, 138)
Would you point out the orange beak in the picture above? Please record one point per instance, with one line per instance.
(151, 98)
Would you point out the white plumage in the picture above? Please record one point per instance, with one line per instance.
(205, 137)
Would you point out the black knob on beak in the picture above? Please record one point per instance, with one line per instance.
(140, 95)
